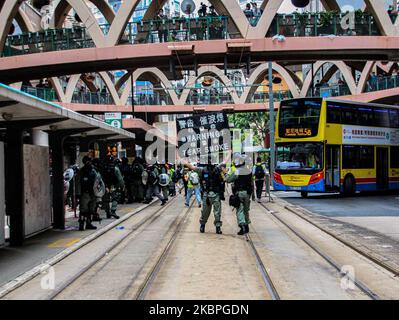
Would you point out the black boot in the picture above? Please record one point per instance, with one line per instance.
(242, 230)
(246, 228)
(163, 202)
(202, 228)
(114, 215)
(89, 226)
(218, 230)
(108, 214)
(81, 225)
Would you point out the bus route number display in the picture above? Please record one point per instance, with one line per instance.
(298, 132)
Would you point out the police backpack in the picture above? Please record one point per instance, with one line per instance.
(152, 177)
(109, 175)
(136, 171)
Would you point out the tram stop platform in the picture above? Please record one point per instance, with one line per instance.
(20, 263)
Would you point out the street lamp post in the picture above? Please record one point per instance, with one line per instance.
(271, 119)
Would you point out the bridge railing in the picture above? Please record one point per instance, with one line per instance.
(208, 96)
(176, 29)
(185, 29)
(48, 40)
(47, 94)
(323, 24)
(383, 83)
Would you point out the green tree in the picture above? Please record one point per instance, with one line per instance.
(257, 121)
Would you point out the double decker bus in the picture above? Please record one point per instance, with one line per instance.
(328, 145)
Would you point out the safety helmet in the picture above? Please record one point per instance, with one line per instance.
(68, 174)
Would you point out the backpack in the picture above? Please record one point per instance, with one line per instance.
(211, 180)
(194, 178)
(110, 175)
(163, 179)
(137, 172)
(152, 177)
(259, 172)
(99, 186)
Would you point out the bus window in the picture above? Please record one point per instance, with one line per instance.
(333, 114)
(394, 157)
(394, 118)
(381, 118)
(349, 115)
(305, 156)
(365, 116)
(358, 157)
(299, 120)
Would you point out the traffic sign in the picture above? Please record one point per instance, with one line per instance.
(114, 119)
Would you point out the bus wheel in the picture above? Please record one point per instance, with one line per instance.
(304, 194)
(349, 186)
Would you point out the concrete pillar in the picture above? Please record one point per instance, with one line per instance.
(40, 138)
(57, 157)
(15, 185)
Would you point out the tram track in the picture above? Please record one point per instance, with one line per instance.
(271, 288)
(131, 234)
(360, 285)
(35, 272)
(160, 261)
(346, 243)
(262, 269)
(150, 216)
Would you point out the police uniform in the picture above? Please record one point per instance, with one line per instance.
(87, 176)
(211, 182)
(153, 186)
(241, 177)
(164, 188)
(113, 180)
(137, 188)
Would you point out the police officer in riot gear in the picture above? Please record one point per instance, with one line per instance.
(98, 202)
(163, 181)
(153, 185)
(87, 177)
(137, 187)
(241, 177)
(113, 181)
(211, 178)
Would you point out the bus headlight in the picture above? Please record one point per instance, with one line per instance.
(316, 177)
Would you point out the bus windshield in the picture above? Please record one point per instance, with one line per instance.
(299, 156)
(299, 118)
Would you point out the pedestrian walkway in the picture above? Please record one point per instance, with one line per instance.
(40, 248)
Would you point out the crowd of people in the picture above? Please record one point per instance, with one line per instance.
(253, 12)
(103, 184)
(205, 30)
